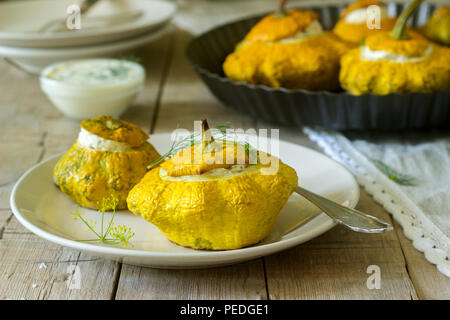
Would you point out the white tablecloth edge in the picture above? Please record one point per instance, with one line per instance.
(426, 237)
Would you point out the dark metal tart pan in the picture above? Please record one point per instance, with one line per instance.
(334, 110)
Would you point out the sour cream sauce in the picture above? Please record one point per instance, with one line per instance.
(97, 73)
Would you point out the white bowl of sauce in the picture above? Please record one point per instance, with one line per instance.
(83, 89)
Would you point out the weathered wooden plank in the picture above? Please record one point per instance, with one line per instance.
(185, 98)
(428, 282)
(15, 157)
(33, 268)
(5, 216)
(153, 57)
(21, 134)
(334, 265)
(242, 281)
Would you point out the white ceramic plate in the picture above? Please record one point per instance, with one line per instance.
(34, 60)
(44, 210)
(19, 21)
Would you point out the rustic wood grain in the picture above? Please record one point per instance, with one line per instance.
(429, 283)
(21, 135)
(33, 268)
(241, 281)
(332, 266)
(185, 98)
(5, 216)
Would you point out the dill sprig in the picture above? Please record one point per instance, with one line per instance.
(218, 133)
(109, 233)
(394, 175)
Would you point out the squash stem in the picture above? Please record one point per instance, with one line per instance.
(399, 32)
(281, 9)
(207, 137)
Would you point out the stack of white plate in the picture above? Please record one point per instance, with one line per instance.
(26, 41)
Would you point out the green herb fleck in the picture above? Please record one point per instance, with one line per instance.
(394, 175)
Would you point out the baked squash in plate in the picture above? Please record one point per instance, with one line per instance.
(109, 157)
(214, 205)
(44, 210)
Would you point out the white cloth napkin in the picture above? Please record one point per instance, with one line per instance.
(422, 209)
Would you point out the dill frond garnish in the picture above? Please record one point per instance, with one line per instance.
(394, 175)
(109, 233)
(218, 133)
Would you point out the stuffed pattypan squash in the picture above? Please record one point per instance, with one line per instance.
(438, 27)
(396, 62)
(289, 50)
(214, 206)
(352, 25)
(109, 157)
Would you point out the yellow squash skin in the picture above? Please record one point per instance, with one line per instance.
(88, 176)
(177, 167)
(219, 214)
(115, 129)
(438, 27)
(269, 54)
(357, 32)
(273, 28)
(382, 77)
(311, 63)
(413, 47)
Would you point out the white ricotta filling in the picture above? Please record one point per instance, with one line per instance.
(359, 16)
(374, 55)
(218, 173)
(90, 141)
(313, 30)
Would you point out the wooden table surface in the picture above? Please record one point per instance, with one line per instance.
(332, 266)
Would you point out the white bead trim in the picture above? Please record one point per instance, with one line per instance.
(426, 237)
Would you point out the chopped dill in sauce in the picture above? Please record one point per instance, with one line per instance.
(97, 72)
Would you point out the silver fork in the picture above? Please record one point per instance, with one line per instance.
(353, 219)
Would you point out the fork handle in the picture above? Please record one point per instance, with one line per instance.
(348, 217)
